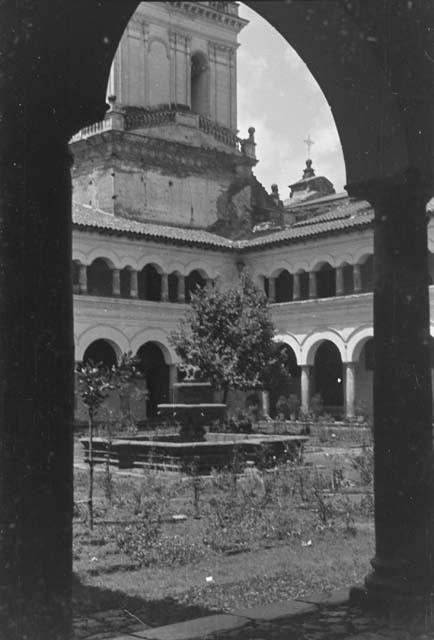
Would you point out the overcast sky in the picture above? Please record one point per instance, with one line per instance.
(278, 96)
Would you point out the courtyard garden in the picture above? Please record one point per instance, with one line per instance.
(173, 546)
(264, 520)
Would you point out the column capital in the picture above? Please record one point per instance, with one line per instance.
(393, 190)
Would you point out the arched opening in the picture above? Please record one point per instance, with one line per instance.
(284, 286)
(100, 352)
(194, 280)
(156, 374)
(328, 379)
(99, 278)
(149, 283)
(125, 280)
(199, 83)
(347, 279)
(367, 273)
(284, 387)
(173, 287)
(326, 281)
(304, 285)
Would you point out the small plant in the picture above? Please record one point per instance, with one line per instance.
(93, 388)
(364, 464)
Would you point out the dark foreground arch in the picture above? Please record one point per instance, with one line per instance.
(371, 61)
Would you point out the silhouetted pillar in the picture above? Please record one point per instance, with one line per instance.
(36, 367)
(296, 290)
(134, 285)
(350, 389)
(305, 388)
(403, 565)
(82, 278)
(272, 289)
(116, 282)
(357, 278)
(339, 281)
(164, 287)
(181, 288)
(312, 284)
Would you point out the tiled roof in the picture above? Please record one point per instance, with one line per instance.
(346, 216)
(86, 217)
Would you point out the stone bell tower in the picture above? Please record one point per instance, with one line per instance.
(180, 53)
(167, 151)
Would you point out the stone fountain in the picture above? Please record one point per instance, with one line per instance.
(193, 447)
(192, 408)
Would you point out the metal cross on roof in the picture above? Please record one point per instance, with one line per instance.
(309, 143)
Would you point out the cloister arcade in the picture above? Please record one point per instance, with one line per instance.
(322, 280)
(102, 278)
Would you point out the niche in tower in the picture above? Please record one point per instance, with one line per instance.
(199, 83)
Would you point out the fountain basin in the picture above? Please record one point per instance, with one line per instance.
(215, 452)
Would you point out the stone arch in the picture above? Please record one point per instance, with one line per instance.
(103, 253)
(205, 269)
(311, 343)
(128, 261)
(158, 337)
(362, 254)
(320, 260)
(153, 260)
(356, 342)
(112, 335)
(292, 342)
(79, 256)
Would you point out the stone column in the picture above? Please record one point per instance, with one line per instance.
(357, 279)
(265, 403)
(134, 285)
(181, 288)
(272, 289)
(403, 562)
(350, 389)
(173, 377)
(116, 282)
(305, 388)
(164, 287)
(296, 290)
(339, 281)
(36, 363)
(312, 285)
(82, 279)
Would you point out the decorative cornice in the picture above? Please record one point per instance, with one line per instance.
(171, 156)
(206, 12)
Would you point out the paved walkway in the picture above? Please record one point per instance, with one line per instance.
(309, 618)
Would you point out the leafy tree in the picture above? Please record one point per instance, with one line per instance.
(228, 336)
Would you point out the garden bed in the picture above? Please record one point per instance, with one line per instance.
(241, 540)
